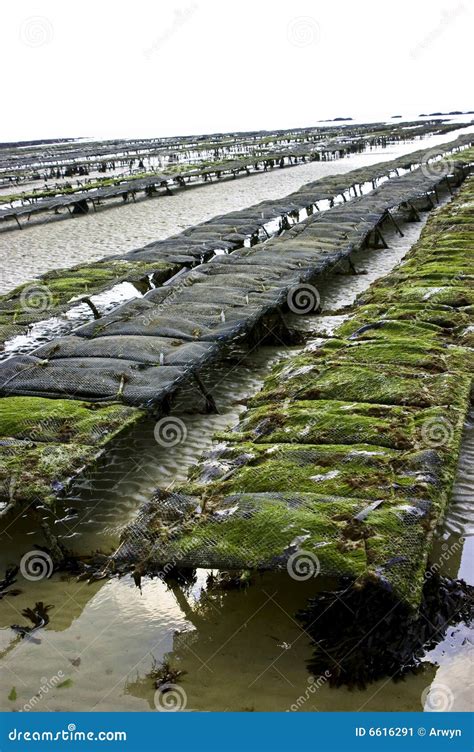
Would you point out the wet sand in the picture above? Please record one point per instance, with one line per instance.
(241, 651)
(60, 243)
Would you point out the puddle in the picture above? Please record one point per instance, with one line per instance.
(240, 650)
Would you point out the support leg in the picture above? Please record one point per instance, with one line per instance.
(91, 305)
(395, 224)
(211, 406)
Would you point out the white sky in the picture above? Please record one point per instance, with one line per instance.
(110, 68)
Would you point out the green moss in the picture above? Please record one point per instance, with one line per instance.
(434, 358)
(450, 295)
(465, 336)
(45, 442)
(330, 421)
(439, 315)
(268, 527)
(370, 422)
(33, 473)
(305, 379)
(361, 471)
(59, 288)
(55, 420)
(397, 551)
(388, 329)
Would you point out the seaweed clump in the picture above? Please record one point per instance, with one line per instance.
(164, 676)
(39, 618)
(361, 634)
(7, 582)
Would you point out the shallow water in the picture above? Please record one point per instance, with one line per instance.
(59, 243)
(241, 650)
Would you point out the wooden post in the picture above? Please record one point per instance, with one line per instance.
(352, 268)
(211, 406)
(381, 237)
(91, 305)
(414, 212)
(428, 196)
(395, 224)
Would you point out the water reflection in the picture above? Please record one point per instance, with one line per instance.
(240, 650)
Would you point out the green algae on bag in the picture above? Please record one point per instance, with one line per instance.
(347, 456)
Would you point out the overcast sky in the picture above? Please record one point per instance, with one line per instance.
(109, 68)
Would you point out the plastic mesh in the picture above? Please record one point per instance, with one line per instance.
(344, 461)
(217, 303)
